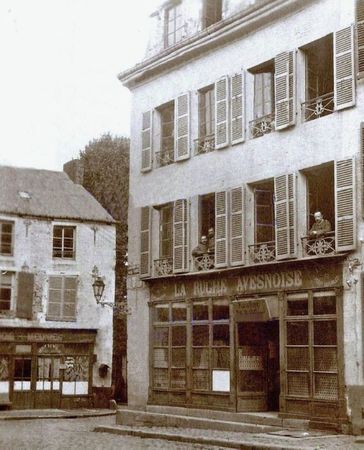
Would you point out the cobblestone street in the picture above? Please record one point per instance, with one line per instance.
(72, 434)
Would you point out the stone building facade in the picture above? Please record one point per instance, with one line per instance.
(246, 121)
(55, 341)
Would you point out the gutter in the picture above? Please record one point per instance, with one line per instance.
(217, 35)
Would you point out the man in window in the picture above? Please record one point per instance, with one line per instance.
(202, 247)
(211, 241)
(320, 227)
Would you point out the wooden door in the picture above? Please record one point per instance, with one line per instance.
(48, 382)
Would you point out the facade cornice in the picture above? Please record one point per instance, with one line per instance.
(217, 35)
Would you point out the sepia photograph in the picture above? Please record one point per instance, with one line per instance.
(182, 224)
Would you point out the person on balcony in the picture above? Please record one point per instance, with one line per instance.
(211, 241)
(320, 227)
(202, 247)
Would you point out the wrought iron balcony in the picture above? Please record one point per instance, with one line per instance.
(163, 266)
(318, 107)
(204, 144)
(262, 125)
(321, 246)
(206, 261)
(262, 252)
(164, 157)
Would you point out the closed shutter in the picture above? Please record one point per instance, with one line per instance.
(145, 241)
(237, 247)
(221, 229)
(281, 206)
(180, 236)
(147, 141)
(24, 302)
(284, 79)
(221, 113)
(345, 220)
(292, 215)
(237, 108)
(182, 127)
(360, 36)
(344, 81)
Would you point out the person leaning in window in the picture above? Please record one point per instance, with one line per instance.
(320, 227)
(211, 241)
(201, 248)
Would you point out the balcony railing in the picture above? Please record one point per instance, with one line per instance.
(205, 261)
(261, 126)
(204, 144)
(263, 252)
(164, 157)
(320, 246)
(318, 107)
(163, 266)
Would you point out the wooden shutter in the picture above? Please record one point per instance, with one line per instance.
(362, 166)
(24, 302)
(237, 108)
(237, 206)
(344, 81)
(69, 297)
(284, 79)
(180, 236)
(147, 139)
(292, 208)
(345, 220)
(145, 241)
(182, 127)
(221, 113)
(360, 36)
(284, 215)
(221, 229)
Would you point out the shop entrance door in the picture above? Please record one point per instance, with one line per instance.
(48, 383)
(257, 360)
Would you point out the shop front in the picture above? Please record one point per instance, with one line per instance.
(250, 340)
(46, 368)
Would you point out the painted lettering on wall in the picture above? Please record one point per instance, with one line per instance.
(203, 288)
(268, 281)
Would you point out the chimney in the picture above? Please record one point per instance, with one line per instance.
(74, 170)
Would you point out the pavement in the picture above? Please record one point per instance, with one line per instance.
(29, 414)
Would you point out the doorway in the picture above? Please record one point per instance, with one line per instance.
(257, 361)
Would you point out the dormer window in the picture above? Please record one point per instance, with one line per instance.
(173, 25)
(212, 12)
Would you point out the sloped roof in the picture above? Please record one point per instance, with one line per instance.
(46, 193)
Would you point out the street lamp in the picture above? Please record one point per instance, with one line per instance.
(98, 286)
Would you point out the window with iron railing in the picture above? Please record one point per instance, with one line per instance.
(166, 154)
(206, 136)
(163, 265)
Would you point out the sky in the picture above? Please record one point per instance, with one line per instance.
(59, 61)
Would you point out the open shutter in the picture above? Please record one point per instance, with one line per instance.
(221, 229)
(237, 247)
(24, 302)
(362, 166)
(145, 241)
(237, 108)
(221, 113)
(344, 69)
(147, 141)
(281, 206)
(292, 221)
(345, 220)
(180, 236)
(182, 127)
(360, 36)
(284, 79)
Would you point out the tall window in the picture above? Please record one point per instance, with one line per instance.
(62, 298)
(207, 213)
(212, 12)
(6, 238)
(206, 141)
(263, 122)
(166, 232)
(173, 25)
(5, 290)
(166, 154)
(264, 213)
(64, 242)
(319, 79)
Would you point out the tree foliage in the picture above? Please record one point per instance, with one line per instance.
(106, 176)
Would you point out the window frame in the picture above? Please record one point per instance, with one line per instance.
(217, 13)
(166, 226)
(206, 109)
(2, 233)
(64, 249)
(8, 287)
(62, 317)
(175, 9)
